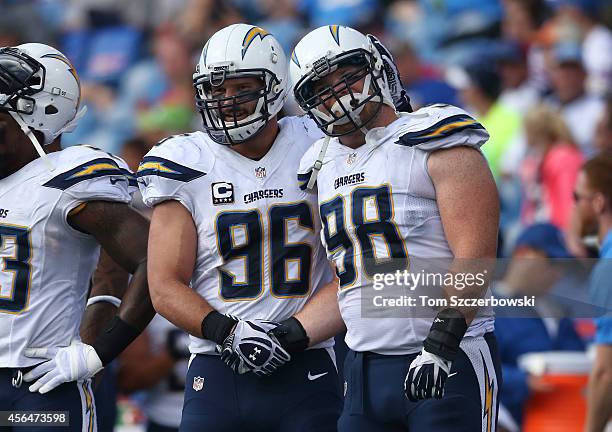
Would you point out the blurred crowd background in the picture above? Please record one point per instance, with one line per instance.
(536, 73)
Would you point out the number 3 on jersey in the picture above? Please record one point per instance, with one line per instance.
(15, 253)
(382, 248)
(240, 238)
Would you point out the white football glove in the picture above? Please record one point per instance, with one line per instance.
(76, 362)
(251, 349)
(426, 377)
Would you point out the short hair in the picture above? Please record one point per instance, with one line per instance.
(599, 175)
(550, 122)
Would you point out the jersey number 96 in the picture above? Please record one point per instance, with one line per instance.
(240, 236)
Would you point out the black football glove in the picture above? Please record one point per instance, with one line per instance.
(291, 335)
(429, 370)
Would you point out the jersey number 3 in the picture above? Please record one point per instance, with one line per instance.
(240, 236)
(15, 253)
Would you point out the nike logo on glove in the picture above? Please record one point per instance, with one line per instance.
(317, 376)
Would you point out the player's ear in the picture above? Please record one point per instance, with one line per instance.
(599, 203)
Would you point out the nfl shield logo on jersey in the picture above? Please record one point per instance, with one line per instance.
(351, 158)
(260, 172)
(198, 383)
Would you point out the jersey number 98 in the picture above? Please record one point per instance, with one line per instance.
(371, 214)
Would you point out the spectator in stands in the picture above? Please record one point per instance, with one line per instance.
(518, 91)
(596, 41)
(9, 33)
(523, 330)
(579, 109)
(594, 209)
(163, 81)
(355, 13)
(479, 85)
(280, 17)
(422, 82)
(202, 18)
(521, 24)
(603, 131)
(26, 18)
(145, 15)
(550, 168)
(522, 19)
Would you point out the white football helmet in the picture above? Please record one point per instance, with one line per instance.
(321, 52)
(40, 84)
(40, 89)
(239, 51)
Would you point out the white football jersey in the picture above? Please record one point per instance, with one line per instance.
(378, 206)
(259, 252)
(45, 264)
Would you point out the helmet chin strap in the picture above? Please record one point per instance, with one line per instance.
(316, 167)
(26, 130)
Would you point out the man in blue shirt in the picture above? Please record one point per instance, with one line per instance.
(593, 195)
(520, 330)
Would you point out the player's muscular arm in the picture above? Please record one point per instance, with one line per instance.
(321, 317)
(469, 208)
(172, 255)
(109, 279)
(122, 232)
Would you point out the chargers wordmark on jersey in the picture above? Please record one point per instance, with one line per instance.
(153, 165)
(94, 168)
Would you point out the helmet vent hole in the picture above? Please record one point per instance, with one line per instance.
(50, 109)
(33, 81)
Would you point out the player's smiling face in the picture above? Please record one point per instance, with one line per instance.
(345, 79)
(238, 97)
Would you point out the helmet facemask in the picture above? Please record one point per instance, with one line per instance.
(21, 77)
(347, 103)
(232, 130)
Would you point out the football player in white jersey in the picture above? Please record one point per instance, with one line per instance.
(58, 207)
(234, 249)
(394, 190)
